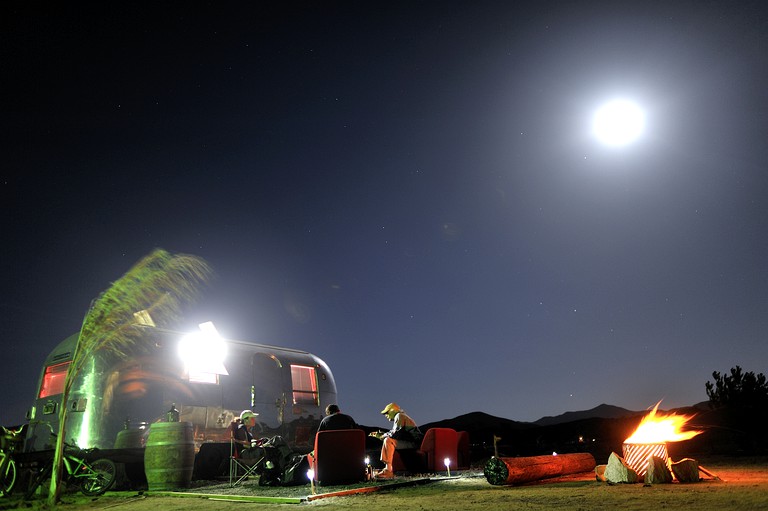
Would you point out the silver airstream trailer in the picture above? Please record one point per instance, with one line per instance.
(115, 399)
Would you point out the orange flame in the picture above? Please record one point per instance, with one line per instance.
(661, 428)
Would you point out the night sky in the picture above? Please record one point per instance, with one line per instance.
(409, 190)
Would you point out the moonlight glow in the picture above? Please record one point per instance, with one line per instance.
(618, 123)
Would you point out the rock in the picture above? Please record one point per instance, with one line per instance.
(657, 473)
(686, 470)
(617, 470)
(600, 472)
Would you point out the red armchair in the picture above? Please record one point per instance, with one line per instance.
(339, 456)
(438, 444)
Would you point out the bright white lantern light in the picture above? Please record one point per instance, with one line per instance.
(618, 122)
(204, 351)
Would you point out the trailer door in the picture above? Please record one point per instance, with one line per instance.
(268, 393)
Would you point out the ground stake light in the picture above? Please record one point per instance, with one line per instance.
(368, 468)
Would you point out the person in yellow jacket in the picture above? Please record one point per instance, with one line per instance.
(403, 435)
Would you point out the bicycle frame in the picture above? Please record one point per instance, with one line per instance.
(10, 440)
(7, 473)
(81, 467)
(93, 477)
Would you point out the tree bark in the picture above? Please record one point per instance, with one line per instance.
(54, 490)
(507, 471)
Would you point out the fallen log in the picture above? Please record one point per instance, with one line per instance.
(710, 474)
(507, 471)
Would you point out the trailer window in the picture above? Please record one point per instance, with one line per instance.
(203, 377)
(304, 385)
(53, 380)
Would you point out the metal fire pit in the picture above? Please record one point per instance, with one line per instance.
(636, 455)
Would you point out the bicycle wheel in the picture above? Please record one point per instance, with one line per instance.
(8, 476)
(36, 479)
(101, 479)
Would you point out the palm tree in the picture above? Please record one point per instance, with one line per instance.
(158, 284)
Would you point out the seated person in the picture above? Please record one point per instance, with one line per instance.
(403, 435)
(242, 434)
(334, 419)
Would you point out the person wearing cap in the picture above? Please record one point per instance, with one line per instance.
(241, 429)
(403, 435)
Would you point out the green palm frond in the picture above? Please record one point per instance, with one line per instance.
(160, 283)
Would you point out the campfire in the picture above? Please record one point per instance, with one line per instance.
(645, 457)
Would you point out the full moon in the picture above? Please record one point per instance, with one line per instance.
(618, 122)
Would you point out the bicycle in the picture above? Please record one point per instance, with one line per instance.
(93, 478)
(10, 441)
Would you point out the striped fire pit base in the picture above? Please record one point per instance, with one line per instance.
(636, 456)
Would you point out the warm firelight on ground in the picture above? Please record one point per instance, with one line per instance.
(660, 428)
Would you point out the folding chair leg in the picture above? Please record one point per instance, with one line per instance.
(248, 470)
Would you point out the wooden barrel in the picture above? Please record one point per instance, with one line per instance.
(130, 439)
(501, 471)
(169, 456)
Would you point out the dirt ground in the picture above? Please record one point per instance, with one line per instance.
(742, 484)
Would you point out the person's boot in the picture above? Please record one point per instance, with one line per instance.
(385, 473)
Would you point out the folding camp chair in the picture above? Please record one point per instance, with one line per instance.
(241, 468)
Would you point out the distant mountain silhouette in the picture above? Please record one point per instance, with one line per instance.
(570, 432)
(600, 431)
(602, 411)
(478, 421)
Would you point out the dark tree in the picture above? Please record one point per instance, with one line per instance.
(738, 390)
(741, 399)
